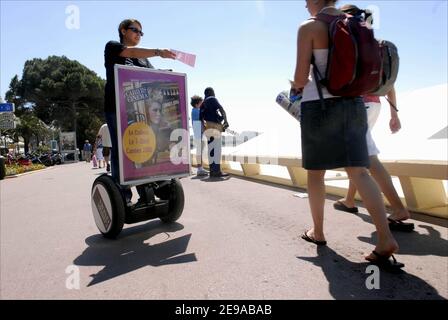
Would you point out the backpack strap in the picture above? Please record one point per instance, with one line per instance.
(318, 79)
(391, 104)
(327, 18)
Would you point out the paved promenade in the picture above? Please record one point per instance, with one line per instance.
(236, 239)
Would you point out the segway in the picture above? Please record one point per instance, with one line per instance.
(161, 193)
(162, 199)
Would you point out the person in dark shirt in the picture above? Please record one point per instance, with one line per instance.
(87, 151)
(124, 52)
(213, 116)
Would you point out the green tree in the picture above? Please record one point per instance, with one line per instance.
(64, 92)
(28, 126)
(14, 95)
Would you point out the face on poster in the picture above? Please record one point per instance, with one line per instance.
(67, 141)
(152, 124)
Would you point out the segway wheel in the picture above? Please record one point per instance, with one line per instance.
(174, 193)
(107, 206)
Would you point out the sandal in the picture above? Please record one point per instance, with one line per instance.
(342, 207)
(398, 225)
(306, 237)
(385, 262)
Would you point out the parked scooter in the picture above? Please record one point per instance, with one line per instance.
(56, 157)
(46, 160)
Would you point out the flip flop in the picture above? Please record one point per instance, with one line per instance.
(309, 239)
(342, 207)
(398, 225)
(385, 262)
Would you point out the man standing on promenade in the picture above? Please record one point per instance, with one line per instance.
(215, 122)
(87, 151)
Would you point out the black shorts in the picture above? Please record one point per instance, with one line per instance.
(106, 151)
(334, 137)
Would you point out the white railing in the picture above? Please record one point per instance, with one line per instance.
(421, 181)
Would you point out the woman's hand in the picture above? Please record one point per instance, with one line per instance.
(394, 124)
(167, 54)
(294, 91)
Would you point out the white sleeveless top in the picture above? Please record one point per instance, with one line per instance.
(310, 92)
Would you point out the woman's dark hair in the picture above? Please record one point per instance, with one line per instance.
(195, 100)
(350, 9)
(209, 92)
(353, 10)
(125, 24)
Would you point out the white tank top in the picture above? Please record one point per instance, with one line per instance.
(310, 92)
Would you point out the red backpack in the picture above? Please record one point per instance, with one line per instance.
(354, 66)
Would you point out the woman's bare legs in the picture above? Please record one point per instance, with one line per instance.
(316, 197)
(384, 181)
(382, 177)
(349, 200)
(371, 196)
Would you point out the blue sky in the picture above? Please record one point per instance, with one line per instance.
(245, 49)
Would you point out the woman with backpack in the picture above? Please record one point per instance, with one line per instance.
(333, 133)
(377, 170)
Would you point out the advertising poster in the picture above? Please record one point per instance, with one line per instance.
(152, 125)
(67, 141)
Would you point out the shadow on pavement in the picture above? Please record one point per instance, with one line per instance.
(195, 177)
(347, 280)
(414, 243)
(216, 179)
(417, 244)
(130, 252)
(423, 218)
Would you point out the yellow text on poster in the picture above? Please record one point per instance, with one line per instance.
(139, 142)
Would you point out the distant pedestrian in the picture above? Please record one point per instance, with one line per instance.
(94, 161)
(99, 151)
(215, 122)
(107, 145)
(87, 151)
(198, 130)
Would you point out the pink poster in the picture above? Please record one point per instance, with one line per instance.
(152, 124)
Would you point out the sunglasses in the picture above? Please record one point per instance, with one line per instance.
(136, 31)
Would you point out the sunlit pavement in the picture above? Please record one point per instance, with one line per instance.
(236, 239)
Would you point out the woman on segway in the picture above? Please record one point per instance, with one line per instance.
(125, 52)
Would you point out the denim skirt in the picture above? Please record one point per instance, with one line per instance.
(334, 135)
